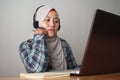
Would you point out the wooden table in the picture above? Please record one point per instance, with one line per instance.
(114, 76)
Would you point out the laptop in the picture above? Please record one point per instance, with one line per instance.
(102, 54)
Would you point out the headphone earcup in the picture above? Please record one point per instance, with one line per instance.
(36, 24)
(59, 27)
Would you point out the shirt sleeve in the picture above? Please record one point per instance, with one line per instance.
(71, 62)
(33, 54)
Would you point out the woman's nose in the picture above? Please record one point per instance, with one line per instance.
(51, 23)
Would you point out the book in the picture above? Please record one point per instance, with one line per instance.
(47, 74)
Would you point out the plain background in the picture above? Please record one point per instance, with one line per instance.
(16, 26)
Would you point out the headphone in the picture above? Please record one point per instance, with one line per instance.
(36, 23)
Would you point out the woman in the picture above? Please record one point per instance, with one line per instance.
(46, 51)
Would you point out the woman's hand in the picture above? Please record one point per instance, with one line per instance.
(40, 30)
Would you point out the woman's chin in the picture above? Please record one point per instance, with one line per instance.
(51, 35)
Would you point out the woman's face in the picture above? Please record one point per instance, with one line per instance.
(51, 23)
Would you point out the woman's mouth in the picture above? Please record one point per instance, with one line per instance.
(51, 30)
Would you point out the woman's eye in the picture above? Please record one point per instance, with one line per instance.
(47, 20)
(56, 21)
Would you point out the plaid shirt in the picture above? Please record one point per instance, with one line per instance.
(33, 53)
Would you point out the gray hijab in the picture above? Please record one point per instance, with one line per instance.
(55, 51)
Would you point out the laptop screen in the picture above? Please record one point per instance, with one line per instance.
(102, 54)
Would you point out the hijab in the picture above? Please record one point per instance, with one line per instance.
(55, 51)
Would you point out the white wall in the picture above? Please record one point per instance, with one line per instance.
(16, 26)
